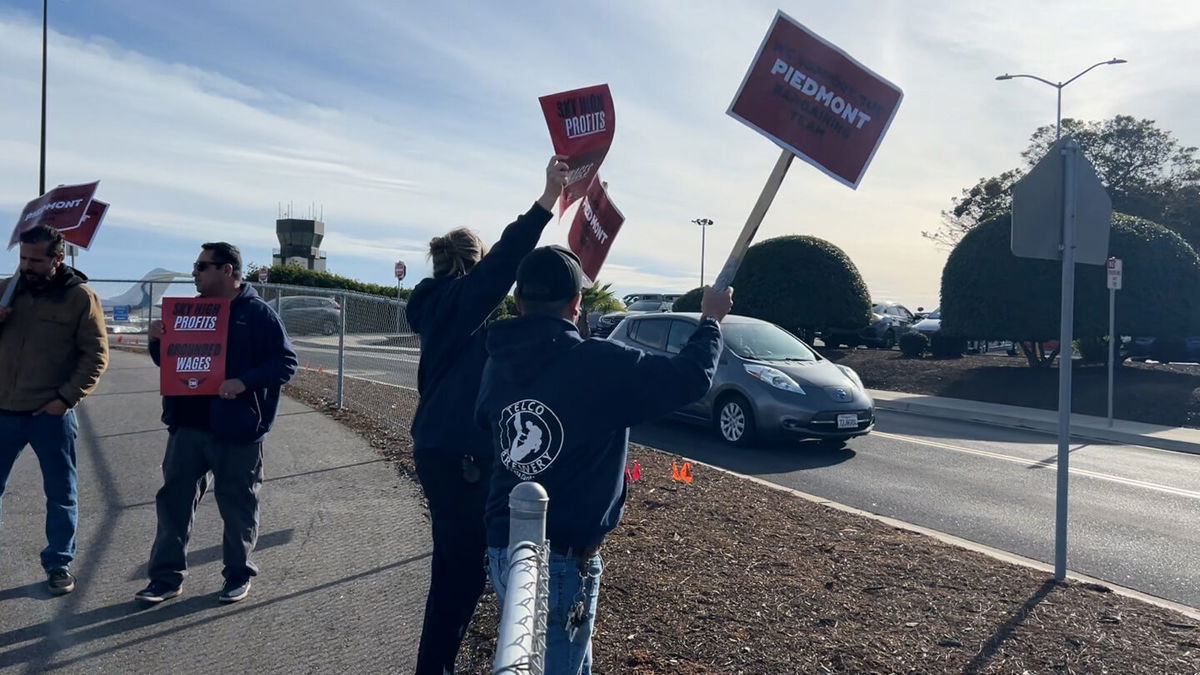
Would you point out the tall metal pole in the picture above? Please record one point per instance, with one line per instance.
(1065, 358)
(1112, 341)
(1058, 113)
(703, 223)
(341, 358)
(42, 166)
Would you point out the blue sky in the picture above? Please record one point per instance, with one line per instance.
(404, 120)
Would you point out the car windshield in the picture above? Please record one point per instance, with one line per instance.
(645, 305)
(935, 314)
(765, 342)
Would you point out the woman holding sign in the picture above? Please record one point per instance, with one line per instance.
(454, 458)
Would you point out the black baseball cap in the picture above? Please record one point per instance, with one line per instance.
(549, 274)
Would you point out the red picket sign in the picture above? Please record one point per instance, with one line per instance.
(193, 346)
(581, 123)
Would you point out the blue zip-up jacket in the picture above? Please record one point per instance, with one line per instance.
(559, 410)
(259, 354)
(449, 315)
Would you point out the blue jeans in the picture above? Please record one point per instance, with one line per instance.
(564, 656)
(53, 441)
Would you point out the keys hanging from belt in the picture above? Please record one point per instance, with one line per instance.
(576, 617)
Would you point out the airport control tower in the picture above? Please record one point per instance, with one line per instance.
(299, 241)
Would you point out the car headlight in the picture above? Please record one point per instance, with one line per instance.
(852, 376)
(774, 377)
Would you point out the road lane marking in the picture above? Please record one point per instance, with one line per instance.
(1041, 464)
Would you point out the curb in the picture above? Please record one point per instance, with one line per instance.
(995, 553)
(1014, 417)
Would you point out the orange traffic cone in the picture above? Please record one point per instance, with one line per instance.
(637, 472)
(685, 474)
(675, 475)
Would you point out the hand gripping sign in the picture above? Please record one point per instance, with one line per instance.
(817, 103)
(581, 123)
(595, 226)
(192, 353)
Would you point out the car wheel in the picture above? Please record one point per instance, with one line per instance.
(889, 340)
(329, 327)
(734, 420)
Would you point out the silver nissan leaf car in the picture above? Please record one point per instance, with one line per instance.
(769, 384)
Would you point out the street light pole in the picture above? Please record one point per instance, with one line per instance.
(703, 223)
(1071, 152)
(1059, 86)
(42, 166)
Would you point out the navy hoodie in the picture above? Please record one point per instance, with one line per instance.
(559, 407)
(449, 315)
(259, 354)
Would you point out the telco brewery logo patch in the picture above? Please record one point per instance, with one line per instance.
(531, 438)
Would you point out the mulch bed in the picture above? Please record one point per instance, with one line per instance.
(1167, 394)
(726, 575)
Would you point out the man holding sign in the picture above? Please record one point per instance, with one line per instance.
(53, 350)
(217, 416)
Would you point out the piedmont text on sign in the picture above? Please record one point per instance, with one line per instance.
(595, 226)
(581, 123)
(193, 346)
(815, 100)
(63, 208)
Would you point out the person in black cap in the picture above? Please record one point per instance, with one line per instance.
(448, 311)
(573, 439)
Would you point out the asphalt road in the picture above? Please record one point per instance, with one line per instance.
(1132, 510)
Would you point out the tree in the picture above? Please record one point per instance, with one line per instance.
(801, 283)
(597, 298)
(1146, 171)
(300, 276)
(990, 294)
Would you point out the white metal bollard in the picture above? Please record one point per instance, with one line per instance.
(521, 644)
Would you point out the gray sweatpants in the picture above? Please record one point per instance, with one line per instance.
(237, 476)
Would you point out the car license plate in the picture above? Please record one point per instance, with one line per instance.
(848, 421)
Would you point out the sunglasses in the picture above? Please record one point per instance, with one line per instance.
(201, 265)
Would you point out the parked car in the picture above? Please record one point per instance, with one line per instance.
(634, 297)
(1177, 350)
(644, 306)
(931, 324)
(769, 384)
(889, 320)
(308, 314)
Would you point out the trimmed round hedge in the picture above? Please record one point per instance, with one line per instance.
(990, 294)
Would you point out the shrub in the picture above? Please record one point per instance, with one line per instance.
(800, 283)
(990, 294)
(299, 276)
(945, 346)
(690, 301)
(913, 344)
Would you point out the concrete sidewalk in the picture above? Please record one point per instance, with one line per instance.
(1088, 427)
(344, 546)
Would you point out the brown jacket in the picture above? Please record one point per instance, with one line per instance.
(53, 345)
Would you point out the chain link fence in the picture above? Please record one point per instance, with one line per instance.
(336, 333)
